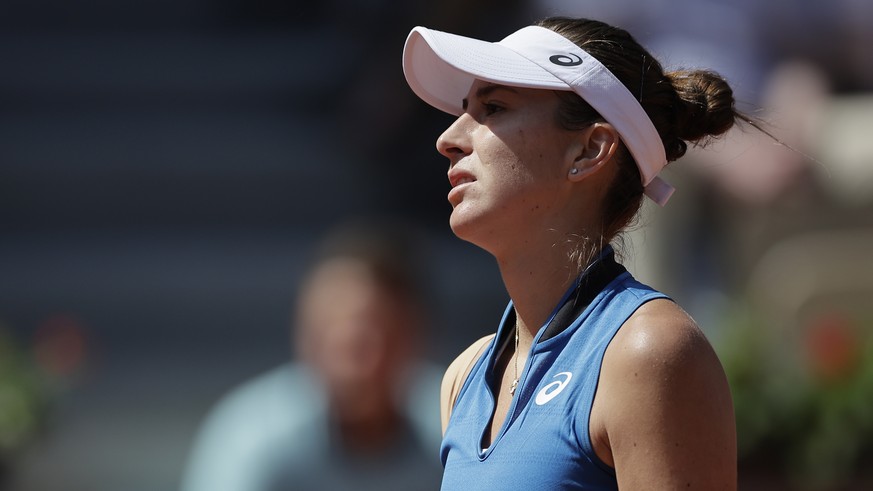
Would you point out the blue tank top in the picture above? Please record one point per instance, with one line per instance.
(544, 443)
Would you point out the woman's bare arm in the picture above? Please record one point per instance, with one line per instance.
(663, 415)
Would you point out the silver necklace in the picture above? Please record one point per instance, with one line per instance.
(515, 364)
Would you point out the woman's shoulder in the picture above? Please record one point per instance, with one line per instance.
(660, 330)
(662, 344)
(469, 355)
(663, 392)
(456, 374)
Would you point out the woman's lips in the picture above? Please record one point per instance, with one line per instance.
(458, 179)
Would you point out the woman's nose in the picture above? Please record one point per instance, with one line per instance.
(454, 143)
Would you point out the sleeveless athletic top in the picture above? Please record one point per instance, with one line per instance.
(544, 442)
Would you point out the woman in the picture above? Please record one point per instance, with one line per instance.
(593, 380)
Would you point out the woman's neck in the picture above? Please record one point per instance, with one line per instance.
(536, 278)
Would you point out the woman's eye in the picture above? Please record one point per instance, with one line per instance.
(491, 108)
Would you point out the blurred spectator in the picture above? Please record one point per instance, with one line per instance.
(358, 409)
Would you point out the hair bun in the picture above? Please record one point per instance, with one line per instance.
(707, 104)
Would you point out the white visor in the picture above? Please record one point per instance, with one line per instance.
(441, 67)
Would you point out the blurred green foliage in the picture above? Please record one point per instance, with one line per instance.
(23, 397)
(803, 398)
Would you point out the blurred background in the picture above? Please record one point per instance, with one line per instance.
(166, 168)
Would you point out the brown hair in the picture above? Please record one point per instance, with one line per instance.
(389, 248)
(684, 106)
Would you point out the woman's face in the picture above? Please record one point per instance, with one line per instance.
(508, 163)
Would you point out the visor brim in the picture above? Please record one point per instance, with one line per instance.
(440, 68)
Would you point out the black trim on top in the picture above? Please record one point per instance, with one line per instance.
(593, 281)
(591, 284)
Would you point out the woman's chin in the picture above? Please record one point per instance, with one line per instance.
(461, 223)
(467, 226)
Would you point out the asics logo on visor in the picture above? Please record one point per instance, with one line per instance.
(566, 60)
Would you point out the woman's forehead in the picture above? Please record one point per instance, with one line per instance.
(484, 88)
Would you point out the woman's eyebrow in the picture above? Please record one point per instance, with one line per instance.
(485, 90)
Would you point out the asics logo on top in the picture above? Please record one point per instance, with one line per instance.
(566, 60)
(549, 392)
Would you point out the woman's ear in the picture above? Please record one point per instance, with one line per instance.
(597, 145)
